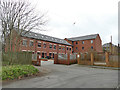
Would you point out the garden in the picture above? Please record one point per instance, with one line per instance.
(11, 72)
(17, 65)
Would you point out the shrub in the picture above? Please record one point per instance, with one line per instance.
(16, 71)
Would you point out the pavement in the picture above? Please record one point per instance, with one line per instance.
(69, 76)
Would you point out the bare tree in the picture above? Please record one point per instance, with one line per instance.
(18, 16)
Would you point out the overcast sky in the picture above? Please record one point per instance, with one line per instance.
(89, 16)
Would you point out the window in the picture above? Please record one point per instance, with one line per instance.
(54, 46)
(53, 55)
(91, 41)
(82, 42)
(50, 45)
(44, 45)
(91, 47)
(50, 54)
(38, 53)
(45, 55)
(24, 43)
(82, 48)
(63, 48)
(31, 43)
(76, 48)
(67, 48)
(59, 48)
(72, 42)
(70, 49)
(39, 44)
(76, 42)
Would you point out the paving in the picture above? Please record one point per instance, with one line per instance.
(69, 76)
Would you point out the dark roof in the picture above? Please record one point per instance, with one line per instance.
(45, 38)
(87, 37)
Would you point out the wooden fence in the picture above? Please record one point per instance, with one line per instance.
(10, 58)
(102, 59)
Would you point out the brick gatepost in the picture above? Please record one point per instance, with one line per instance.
(56, 59)
(107, 58)
(78, 58)
(68, 58)
(92, 59)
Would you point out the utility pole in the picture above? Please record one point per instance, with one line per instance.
(111, 44)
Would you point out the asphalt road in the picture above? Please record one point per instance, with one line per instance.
(72, 76)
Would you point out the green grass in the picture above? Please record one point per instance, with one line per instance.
(16, 71)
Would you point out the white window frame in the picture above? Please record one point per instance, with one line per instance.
(83, 42)
(91, 41)
(39, 42)
(55, 45)
(31, 41)
(45, 44)
(26, 42)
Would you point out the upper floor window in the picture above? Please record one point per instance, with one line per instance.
(67, 48)
(54, 46)
(39, 44)
(76, 42)
(59, 48)
(91, 47)
(82, 48)
(72, 42)
(44, 45)
(76, 48)
(82, 42)
(31, 43)
(91, 41)
(50, 45)
(24, 42)
(70, 49)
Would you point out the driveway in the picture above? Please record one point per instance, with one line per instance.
(72, 76)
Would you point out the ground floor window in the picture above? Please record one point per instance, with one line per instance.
(53, 55)
(45, 55)
(42, 55)
(50, 55)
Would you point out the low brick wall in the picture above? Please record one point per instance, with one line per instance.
(66, 62)
(85, 62)
(36, 63)
(62, 62)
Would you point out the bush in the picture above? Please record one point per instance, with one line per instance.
(16, 71)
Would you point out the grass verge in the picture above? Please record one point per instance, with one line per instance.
(17, 71)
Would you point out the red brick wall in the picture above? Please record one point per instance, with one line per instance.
(47, 50)
(87, 45)
(97, 45)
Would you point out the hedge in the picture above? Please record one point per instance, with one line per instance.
(15, 71)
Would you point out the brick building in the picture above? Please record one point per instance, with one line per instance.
(43, 45)
(111, 48)
(85, 43)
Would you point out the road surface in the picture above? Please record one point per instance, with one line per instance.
(72, 76)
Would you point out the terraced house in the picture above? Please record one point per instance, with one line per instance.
(85, 43)
(43, 45)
